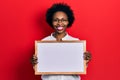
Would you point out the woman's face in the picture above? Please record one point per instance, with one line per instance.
(60, 22)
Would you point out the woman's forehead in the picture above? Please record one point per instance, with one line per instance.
(60, 14)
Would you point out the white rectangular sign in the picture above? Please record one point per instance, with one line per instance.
(64, 57)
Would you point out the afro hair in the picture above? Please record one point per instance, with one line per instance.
(60, 7)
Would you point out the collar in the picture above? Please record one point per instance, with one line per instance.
(64, 38)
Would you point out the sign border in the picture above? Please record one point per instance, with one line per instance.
(65, 41)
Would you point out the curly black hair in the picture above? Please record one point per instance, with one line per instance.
(60, 7)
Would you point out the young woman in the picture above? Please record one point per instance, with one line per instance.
(60, 17)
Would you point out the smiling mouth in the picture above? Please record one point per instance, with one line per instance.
(59, 28)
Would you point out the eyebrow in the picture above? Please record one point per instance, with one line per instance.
(61, 18)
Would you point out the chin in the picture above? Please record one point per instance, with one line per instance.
(60, 32)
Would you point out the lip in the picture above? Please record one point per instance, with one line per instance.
(60, 28)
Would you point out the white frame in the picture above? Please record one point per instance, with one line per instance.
(44, 61)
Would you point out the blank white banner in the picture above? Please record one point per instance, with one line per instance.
(60, 57)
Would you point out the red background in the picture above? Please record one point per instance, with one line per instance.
(23, 21)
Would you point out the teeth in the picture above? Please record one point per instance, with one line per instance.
(60, 28)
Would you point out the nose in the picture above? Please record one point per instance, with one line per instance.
(60, 22)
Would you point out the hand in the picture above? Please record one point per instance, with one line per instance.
(34, 60)
(87, 57)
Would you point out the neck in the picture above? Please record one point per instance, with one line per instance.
(59, 36)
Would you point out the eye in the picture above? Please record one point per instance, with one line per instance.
(55, 20)
(60, 20)
(64, 20)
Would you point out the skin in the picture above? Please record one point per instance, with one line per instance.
(60, 19)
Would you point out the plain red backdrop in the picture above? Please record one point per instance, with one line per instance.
(23, 21)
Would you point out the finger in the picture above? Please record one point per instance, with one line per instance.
(87, 52)
(34, 58)
(34, 63)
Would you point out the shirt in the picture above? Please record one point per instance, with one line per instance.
(60, 76)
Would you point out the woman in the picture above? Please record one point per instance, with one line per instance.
(60, 17)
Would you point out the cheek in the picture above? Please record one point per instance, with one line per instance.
(67, 23)
(53, 23)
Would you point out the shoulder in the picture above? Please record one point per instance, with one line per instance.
(72, 38)
(48, 38)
